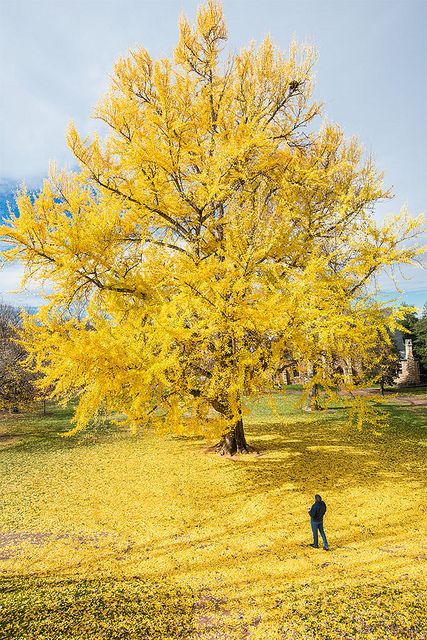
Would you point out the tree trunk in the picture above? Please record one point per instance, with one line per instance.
(234, 441)
(382, 384)
(313, 402)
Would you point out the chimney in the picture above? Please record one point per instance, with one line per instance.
(408, 350)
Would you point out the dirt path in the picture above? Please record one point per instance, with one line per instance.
(398, 398)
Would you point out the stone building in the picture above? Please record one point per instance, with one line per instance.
(409, 367)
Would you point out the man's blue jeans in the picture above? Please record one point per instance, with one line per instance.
(317, 527)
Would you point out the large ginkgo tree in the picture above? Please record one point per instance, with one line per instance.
(218, 231)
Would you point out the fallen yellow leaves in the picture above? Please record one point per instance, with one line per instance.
(230, 536)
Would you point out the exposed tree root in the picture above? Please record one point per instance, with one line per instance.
(223, 448)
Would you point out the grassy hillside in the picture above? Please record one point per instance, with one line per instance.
(155, 537)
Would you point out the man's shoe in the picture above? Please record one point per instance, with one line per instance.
(315, 546)
(325, 548)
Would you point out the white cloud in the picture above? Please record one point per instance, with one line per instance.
(10, 287)
(56, 57)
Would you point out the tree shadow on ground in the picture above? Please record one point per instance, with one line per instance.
(319, 449)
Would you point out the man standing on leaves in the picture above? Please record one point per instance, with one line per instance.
(316, 513)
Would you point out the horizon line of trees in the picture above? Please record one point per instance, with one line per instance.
(17, 383)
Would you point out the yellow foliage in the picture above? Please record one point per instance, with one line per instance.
(213, 233)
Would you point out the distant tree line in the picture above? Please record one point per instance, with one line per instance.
(17, 384)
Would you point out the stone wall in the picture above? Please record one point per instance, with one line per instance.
(409, 367)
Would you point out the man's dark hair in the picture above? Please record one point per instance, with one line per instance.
(318, 498)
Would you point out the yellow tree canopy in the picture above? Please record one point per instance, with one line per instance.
(214, 229)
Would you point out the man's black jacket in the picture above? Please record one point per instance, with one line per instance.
(317, 511)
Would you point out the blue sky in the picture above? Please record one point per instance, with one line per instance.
(56, 56)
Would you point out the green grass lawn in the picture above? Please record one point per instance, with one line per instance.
(112, 535)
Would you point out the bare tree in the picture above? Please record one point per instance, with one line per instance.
(17, 388)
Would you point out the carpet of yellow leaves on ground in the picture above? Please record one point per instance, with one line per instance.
(108, 535)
